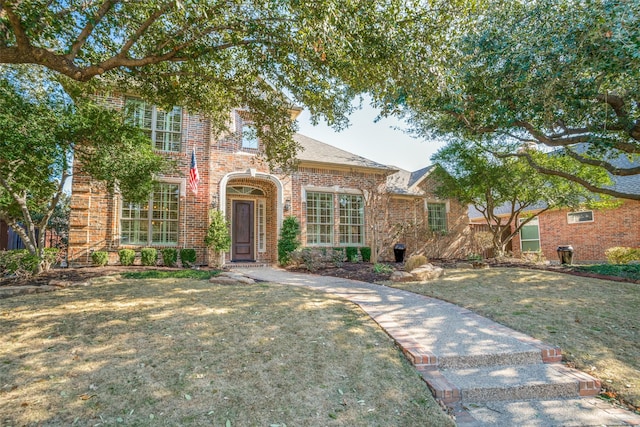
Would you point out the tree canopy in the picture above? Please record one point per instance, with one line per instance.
(505, 190)
(41, 130)
(215, 55)
(563, 75)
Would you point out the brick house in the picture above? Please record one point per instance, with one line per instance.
(326, 193)
(589, 232)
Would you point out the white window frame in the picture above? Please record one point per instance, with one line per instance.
(577, 214)
(533, 222)
(158, 135)
(350, 225)
(316, 238)
(150, 220)
(441, 227)
(261, 224)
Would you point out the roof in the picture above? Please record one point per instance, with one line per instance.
(406, 183)
(314, 151)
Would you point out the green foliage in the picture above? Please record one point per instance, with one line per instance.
(622, 255)
(22, 263)
(214, 56)
(38, 117)
(172, 274)
(474, 257)
(169, 257)
(127, 256)
(188, 257)
(100, 258)
(471, 173)
(547, 74)
(288, 241)
(218, 237)
(626, 271)
(148, 256)
(415, 261)
(365, 252)
(338, 256)
(352, 254)
(382, 269)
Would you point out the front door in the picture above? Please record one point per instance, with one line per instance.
(242, 233)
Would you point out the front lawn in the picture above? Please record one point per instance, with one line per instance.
(177, 351)
(595, 322)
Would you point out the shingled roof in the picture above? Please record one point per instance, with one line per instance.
(406, 183)
(314, 151)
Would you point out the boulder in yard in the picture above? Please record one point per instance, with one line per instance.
(427, 272)
(401, 276)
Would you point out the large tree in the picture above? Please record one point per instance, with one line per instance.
(215, 55)
(559, 75)
(41, 131)
(505, 190)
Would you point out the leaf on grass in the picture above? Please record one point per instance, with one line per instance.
(340, 391)
(86, 396)
(187, 396)
(228, 423)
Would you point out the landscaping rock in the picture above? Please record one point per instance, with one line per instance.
(464, 265)
(401, 276)
(427, 272)
(229, 278)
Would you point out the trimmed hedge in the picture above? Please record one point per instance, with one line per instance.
(148, 256)
(100, 258)
(365, 252)
(188, 257)
(169, 257)
(352, 254)
(127, 256)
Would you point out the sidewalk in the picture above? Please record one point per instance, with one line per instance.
(487, 373)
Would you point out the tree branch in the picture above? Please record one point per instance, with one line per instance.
(586, 184)
(605, 165)
(88, 28)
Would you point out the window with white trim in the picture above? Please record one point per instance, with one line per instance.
(351, 219)
(163, 127)
(319, 219)
(262, 233)
(578, 217)
(437, 216)
(154, 222)
(530, 236)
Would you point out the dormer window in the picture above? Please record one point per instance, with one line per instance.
(163, 127)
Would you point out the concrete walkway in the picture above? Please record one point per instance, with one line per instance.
(487, 373)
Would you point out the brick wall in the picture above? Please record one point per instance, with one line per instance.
(610, 227)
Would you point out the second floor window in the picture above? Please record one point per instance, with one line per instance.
(249, 136)
(163, 127)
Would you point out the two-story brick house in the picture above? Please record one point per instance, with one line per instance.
(326, 193)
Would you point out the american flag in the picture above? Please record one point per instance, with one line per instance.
(194, 177)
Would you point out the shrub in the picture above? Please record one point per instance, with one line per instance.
(352, 254)
(188, 257)
(622, 255)
(19, 262)
(365, 252)
(169, 257)
(415, 261)
(338, 256)
(127, 256)
(148, 256)
(100, 258)
(382, 268)
(288, 241)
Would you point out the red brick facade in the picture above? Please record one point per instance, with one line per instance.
(226, 169)
(590, 240)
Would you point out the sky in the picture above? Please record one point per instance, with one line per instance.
(381, 142)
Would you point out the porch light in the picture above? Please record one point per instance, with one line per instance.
(287, 205)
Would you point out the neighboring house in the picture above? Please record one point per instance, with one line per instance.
(327, 193)
(589, 232)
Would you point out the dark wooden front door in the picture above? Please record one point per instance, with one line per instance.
(242, 233)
